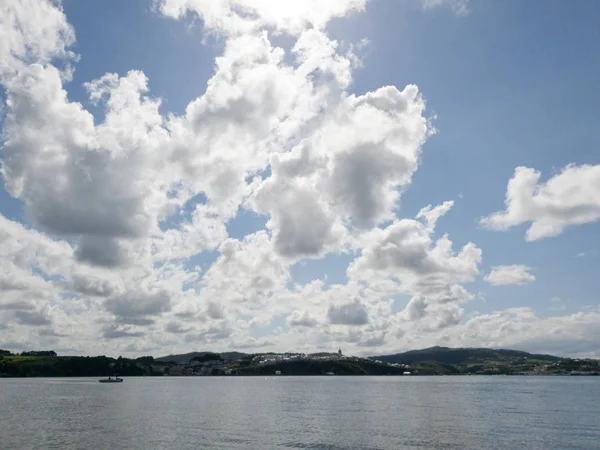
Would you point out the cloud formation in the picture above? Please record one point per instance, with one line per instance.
(32, 31)
(571, 197)
(125, 245)
(353, 313)
(513, 274)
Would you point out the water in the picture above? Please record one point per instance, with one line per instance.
(302, 412)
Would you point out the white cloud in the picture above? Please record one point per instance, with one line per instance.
(139, 304)
(571, 197)
(302, 224)
(109, 188)
(120, 210)
(353, 313)
(576, 334)
(32, 317)
(460, 7)
(27, 259)
(246, 16)
(32, 31)
(246, 271)
(513, 274)
(404, 259)
(205, 231)
(297, 319)
(405, 251)
(176, 328)
(431, 214)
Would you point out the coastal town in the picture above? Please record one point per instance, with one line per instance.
(210, 364)
(200, 366)
(431, 361)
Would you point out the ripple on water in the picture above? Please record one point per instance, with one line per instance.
(303, 413)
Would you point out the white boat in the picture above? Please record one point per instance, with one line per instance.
(116, 379)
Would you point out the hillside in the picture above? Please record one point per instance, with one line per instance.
(72, 366)
(185, 358)
(318, 367)
(430, 361)
(463, 356)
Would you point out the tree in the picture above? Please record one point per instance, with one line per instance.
(145, 360)
(207, 357)
(39, 353)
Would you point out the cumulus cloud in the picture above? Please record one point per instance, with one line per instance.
(353, 313)
(176, 328)
(403, 258)
(246, 271)
(32, 31)
(215, 311)
(571, 197)
(132, 305)
(522, 328)
(35, 318)
(120, 208)
(49, 332)
(513, 274)
(304, 319)
(406, 251)
(91, 285)
(103, 194)
(22, 248)
(245, 16)
(17, 306)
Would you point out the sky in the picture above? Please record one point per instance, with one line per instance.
(258, 175)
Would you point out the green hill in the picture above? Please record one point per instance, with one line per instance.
(185, 358)
(464, 356)
(71, 366)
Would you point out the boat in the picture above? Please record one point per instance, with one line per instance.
(116, 379)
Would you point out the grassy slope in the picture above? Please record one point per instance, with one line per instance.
(464, 356)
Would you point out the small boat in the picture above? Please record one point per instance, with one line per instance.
(116, 379)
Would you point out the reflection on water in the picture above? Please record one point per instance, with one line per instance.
(302, 412)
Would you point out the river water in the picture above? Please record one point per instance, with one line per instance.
(302, 412)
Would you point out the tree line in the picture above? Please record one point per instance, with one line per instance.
(30, 353)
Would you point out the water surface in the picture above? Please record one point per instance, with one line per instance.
(302, 412)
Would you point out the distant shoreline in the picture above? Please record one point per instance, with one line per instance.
(538, 375)
(427, 362)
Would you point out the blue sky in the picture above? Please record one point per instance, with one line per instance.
(508, 84)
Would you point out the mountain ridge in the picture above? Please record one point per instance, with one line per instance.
(439, 354)
(462, 355)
